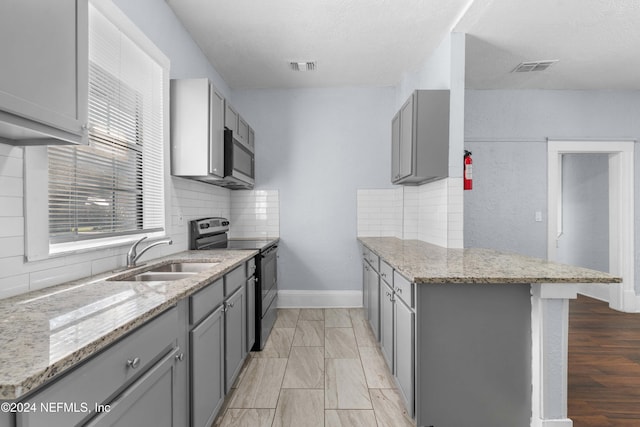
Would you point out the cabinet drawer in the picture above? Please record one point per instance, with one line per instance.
(251, 267)
(103, 375)
(205, 301)
(234, 279)
(371, 258)
(386, 272)
(404, 289)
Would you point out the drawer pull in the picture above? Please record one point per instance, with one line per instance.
(230, 304)
(383, 274)
(133, 363)
(398, 290)
(180, 357)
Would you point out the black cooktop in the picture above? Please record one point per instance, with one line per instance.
(258, 244)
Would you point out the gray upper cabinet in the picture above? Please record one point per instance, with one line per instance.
(197, 129)
(420, 138)
(243, 131)
(231, 119)
(395, 147)
(44, 72)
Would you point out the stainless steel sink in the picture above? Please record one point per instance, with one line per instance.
(167, 272)
(185, 267)
(153, 276)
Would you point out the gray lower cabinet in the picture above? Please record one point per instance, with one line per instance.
(148, 402)
(365, 289)
(235, 333)
(404, 351)
(387, 323)
(251, 313)
(207, 368)
(373, 283)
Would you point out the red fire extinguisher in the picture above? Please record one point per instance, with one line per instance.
(468, 162)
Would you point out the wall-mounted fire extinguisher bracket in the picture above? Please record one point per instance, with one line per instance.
(468, 165)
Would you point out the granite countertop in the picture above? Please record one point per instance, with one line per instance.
(421, 262)
(46, 332)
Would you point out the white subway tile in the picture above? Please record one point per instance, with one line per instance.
(11, 226)
(56, 276)
(14, 285)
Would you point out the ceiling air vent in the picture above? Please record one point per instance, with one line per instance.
(526, 67)
(303, 66)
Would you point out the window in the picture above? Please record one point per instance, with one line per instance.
(113, 186)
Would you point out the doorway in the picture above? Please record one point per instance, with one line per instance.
(594, 231)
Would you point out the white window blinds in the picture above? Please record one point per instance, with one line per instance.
(113, 186)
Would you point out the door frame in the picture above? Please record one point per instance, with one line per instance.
(621, 209)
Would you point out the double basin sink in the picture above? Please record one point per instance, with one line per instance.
(167, 272)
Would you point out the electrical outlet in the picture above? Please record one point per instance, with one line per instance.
(538, 216)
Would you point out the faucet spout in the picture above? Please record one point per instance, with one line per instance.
(133, 255)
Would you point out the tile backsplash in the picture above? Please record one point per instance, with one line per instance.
(255, 213)
(430, 212)
(186, 200)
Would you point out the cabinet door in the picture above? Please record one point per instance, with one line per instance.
(216, 133)
(207, 369)
(406, 146)
(243, 131)
(386, 323)
(235, 330)
(374, 302)
(251, 313)
(44, 72)
(252, 138)
(365, 288)
(404, 352)
(395, 148)
(148, 402)
(230, 118)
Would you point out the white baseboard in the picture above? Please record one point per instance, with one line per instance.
(562, 422)
(319, 299)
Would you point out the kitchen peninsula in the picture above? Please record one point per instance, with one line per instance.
(473, 336)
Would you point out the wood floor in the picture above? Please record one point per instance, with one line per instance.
(604, 365)
(319, 368)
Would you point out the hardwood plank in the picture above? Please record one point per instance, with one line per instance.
(604, 365)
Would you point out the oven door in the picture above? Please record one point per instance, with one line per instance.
(239, 161)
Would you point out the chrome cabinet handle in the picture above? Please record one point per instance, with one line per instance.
(383, 274)
(133, 363)
(398, 290)
(180, 357)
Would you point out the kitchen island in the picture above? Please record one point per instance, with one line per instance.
(487, 331)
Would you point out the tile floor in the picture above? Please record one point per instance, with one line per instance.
(320, 367)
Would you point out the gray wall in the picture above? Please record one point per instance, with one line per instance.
(317, 147)
(507, 132)
(585, 211)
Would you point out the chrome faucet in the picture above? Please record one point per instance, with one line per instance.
(133, 255)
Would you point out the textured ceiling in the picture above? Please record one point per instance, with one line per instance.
(355, 42)
(597, 43)
(373, 42)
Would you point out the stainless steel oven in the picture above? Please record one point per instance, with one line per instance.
(211, 233)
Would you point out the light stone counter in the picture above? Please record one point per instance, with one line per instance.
(486, 353)
(46, 332)
(422, 262)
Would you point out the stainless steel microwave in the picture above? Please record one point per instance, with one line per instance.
(239, 163)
